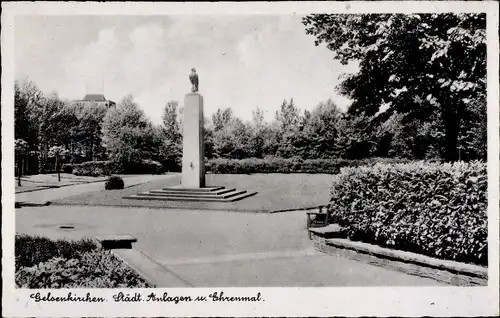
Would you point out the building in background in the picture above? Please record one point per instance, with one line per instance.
(98, 99)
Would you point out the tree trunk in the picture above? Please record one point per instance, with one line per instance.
(451, 122)
(58, 170)
(19, 172)
(451, 143)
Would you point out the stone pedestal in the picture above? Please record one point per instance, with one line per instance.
(193, 155)
(192, 187)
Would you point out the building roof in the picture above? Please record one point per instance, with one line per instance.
(94, 97)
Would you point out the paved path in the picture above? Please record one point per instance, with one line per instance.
(208, 249)
(42, 196)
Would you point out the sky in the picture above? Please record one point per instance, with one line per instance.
(242, 61)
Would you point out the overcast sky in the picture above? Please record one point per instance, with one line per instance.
(242, 61)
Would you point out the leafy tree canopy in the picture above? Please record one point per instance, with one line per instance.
(416, 64)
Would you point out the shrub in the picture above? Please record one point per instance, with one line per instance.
(31, 250)
(45, 263)
(106, 168)
(292, 165)
(172, 165)
(439, 210)
(67, 168)
(149, 166)
(93, 168)
(114, 183)
(94, 269)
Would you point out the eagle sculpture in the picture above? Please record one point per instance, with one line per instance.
(193, 77)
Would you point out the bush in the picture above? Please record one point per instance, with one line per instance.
(172, 165)
(106, 168)
(45, 263)
(439, 210)
(93, 168)
(114, 183)
(292, 165)
(67, 168)
(31, 250)
(95, 269)
(148, 167)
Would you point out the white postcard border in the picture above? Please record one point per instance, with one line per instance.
(345, 301)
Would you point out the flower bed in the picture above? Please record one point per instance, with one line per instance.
(45, 263)
(439, 210)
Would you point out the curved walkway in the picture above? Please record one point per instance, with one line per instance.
(217, 249)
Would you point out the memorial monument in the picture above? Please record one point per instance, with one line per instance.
(192, 186)
(193, 155)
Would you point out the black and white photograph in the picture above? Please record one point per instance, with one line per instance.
(223, 154)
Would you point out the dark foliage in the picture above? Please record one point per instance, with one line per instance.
(434, 209)
(114, 183)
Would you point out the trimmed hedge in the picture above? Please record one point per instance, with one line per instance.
(67, 168)
(284, 165)
(106, 168)
(44, 263)
(31, 250)
(93, 168)
(439, 210)
(96, 269)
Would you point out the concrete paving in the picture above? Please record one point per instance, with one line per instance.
(225, 249)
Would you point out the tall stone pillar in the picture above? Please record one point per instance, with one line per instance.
(193, 154)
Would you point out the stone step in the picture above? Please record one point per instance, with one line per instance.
(197, 195)
(329, 231)
(181, 192)
(193, 198)
(179, 188)
(116, 241)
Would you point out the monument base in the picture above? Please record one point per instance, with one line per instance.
(193, 158)
(181, 193)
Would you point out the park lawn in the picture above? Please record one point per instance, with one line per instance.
(45, 181)
(275, 192)
(30, 186)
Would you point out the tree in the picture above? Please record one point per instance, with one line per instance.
(320, 128)
(171, 122)
(222, 118)
(258, 129)
(417, 64)
(58, 152)
(171, 140)
(86, 141)
(473, 137)
(288, 116)
(55, 125)
(233, 140)
(21, 115)
(356, 137)
(128, 135)
(21, 149)
(28, 100)
(286, 124)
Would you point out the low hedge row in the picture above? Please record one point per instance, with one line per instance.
(293, 165)
(231, 166)
(31, 250)
(44, 263)
(439, 210)
(106, 168)
(67, 168)
(93, 168)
